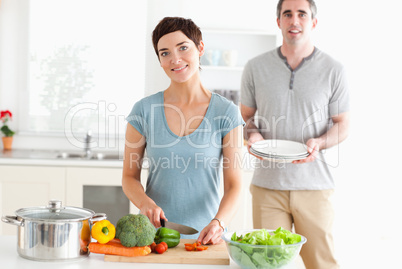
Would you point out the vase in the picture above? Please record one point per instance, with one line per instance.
(7, 142)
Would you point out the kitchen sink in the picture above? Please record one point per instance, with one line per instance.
(105, 156)
(93, 156)
(61, 155)
(65, 155)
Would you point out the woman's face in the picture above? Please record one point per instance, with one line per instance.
(179, 56)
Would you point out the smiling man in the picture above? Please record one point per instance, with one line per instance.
(300, 94)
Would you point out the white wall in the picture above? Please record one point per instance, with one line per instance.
(363, 36)
(11, 38)
(369, 49)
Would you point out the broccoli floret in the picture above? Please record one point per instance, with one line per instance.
(135, 231)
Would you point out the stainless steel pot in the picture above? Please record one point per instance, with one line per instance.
(53, 232)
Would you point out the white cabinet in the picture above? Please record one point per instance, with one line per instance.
(78, 177)
(26, 186)
(111, 201)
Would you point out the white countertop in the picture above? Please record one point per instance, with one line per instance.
(49, 158)
(39, 157)
(9, 259)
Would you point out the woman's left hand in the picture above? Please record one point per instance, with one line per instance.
(211, 234)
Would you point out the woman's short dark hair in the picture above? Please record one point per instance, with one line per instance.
(313, 8)
(172, 24)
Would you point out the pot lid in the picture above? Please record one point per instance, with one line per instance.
(54, 211)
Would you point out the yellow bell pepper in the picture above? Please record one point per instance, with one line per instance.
(103, 231)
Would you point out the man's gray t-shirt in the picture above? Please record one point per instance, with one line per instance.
(294, 105)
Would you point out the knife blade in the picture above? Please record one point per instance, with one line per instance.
(183, 229)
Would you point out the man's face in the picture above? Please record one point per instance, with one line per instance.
(295, 22)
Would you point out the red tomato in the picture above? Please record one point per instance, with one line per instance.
(160, 248)
(152, 246)
(164, 244)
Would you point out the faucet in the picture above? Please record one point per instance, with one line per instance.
(87, 142)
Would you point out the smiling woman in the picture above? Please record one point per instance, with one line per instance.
(181, 120)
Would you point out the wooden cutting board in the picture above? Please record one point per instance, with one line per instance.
(215, 254)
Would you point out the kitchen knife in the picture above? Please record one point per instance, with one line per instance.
(183, 229)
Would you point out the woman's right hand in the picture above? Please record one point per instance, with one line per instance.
(154, 213)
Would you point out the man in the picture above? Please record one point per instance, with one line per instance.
(296, 92)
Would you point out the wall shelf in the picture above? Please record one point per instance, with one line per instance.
(247, 44)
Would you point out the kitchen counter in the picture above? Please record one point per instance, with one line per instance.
(10, 259)
(54, 158)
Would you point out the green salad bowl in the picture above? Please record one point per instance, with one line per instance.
(256, 256)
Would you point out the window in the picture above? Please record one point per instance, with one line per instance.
(85, 65)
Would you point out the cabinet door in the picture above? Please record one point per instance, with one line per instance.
(27, 186)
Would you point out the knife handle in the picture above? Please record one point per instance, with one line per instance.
(162, 222)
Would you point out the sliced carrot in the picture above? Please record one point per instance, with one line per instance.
(195, 247)
(116, 248)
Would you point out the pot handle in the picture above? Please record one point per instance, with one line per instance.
(98, 217)
(12, 220)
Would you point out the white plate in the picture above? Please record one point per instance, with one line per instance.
(281, 160)
(273, 156)
(284, 148)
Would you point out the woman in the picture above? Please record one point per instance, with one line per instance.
(189, 133)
